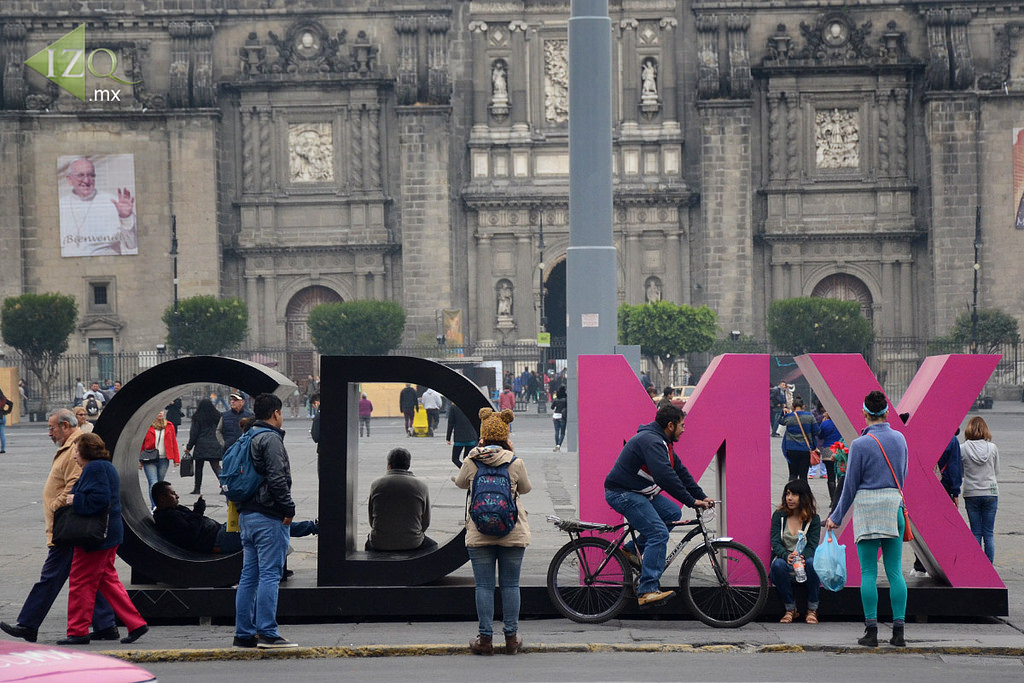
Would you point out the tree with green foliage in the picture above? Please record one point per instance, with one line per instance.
(206, 325)
(39, 325)
(994, 329)
(818, 325)
(665, 331)
(357, 328)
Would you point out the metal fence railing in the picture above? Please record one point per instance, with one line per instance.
(894, 362)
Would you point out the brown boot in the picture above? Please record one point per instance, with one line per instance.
(513, 643)
(482, 645)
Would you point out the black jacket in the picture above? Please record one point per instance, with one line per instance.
(407, 400)
(188, 529)
(460, 426)
(203, 442)
(270, 458)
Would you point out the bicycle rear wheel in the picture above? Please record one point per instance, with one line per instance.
(579, 590)
(729, 597)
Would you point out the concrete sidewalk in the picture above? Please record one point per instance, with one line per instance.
(23, 470)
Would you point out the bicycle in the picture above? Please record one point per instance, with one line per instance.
(723, 583)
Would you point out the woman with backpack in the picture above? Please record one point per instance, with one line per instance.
(497, 531)
(203, 437)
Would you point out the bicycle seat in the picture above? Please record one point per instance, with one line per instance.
(576, 525)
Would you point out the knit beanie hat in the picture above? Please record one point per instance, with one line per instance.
(494, 426)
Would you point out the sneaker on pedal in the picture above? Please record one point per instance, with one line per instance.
(649, 599)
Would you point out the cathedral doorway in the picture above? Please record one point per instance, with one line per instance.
(301, 354)
(846, 287)
(554, 303)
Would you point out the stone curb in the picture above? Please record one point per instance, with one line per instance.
(436, 650)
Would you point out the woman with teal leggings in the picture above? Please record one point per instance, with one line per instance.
(874, 479)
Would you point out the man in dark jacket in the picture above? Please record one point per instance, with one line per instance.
(264, 520)
(399, 508)
(646, 466)
(407, 402)
(229, 428)
(193, 530)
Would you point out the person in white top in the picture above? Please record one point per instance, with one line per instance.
(980, 459)
(94, 223)
(432, 404)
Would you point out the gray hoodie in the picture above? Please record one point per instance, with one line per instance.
(981, 465)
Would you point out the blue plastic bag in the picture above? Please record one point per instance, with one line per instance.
(830, 562)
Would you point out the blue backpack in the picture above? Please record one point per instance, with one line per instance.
(492, 506)
(239, 480)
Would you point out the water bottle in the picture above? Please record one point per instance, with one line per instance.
(798, 564)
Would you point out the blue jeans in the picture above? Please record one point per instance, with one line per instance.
(510, 562)
(52, 578)
(559, 431)
(783, 580)
(981, 513)
(264, 548)
(227, 542)
(649, 516)
(156, 470)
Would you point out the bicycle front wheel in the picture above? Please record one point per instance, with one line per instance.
(725, 587)
(584, 591)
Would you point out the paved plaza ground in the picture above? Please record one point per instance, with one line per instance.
(23, 469)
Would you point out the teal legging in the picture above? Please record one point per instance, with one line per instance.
(892, 560)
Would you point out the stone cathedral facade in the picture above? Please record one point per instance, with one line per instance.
(330, 150)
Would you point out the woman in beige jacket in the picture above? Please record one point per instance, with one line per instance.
(504, 551)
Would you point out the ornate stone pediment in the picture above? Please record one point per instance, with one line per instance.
(307, 49)
(835, 39)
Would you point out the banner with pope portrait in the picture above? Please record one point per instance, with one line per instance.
(97, 205)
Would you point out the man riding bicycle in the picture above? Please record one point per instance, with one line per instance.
(646, 466)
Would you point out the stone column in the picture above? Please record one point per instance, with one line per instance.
(906, 318)
(178, 92)
(888, 321)
(266, 150)
(667, 81)
(523, 306)
(423, 153)
(373, 181)
(630, 68)
(481, 74)
(250, 140)
(270, 326)
(517, 77)
(900, 132)
(776, 139)
(355, 159)
(727, 211)
(13, 47)
(952, 137)
(677, 270)
(252, 301)
(882, 107)
(792, 132)
(635, 275)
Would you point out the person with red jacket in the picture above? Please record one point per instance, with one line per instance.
(162, 440)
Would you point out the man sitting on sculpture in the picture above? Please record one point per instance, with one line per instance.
(192, 530)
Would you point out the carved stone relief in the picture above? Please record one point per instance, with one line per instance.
(649, 98)
(556, 81)
(837, 139)
(310, 153)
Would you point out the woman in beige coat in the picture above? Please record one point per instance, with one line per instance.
(504, 551)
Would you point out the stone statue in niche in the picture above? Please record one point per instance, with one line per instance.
(653, 290)
(649, 104)
(837, 139)
(499, 81)
(505, 299)
(310, 153)
(649, 76)
(499, 89)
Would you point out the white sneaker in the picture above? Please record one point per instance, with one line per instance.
(919, 575)
(556, 449)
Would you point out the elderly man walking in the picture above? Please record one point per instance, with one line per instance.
(64, 472)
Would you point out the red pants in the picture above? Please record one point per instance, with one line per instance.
(91, 572)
